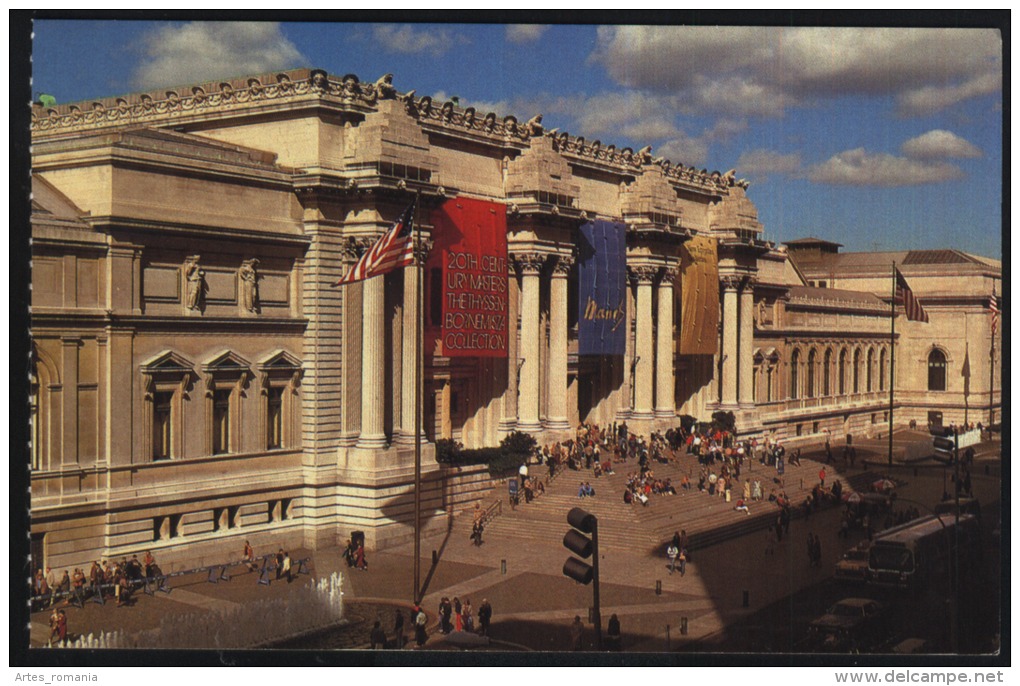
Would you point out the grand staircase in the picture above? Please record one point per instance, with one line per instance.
(707, 519)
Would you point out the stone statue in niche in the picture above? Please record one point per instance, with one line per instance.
(249, 285)
(195, 279)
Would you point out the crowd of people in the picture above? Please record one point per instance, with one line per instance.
(111, 579)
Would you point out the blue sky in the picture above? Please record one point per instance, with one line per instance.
(875, 138)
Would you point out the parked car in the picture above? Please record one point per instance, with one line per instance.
(852, 624)
(853, 567)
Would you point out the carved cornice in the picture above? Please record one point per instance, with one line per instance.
(144, 107)
(529, 262)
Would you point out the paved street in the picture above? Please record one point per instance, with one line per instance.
(534, 603)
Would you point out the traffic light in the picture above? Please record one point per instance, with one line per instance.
(579, 544)
(945, 449)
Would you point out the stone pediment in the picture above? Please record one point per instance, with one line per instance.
(225, 361)
(279, 360)
(167, 362)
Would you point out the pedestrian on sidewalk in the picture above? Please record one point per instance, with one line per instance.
(484, 617)
(821, 477)
(359, 557)
(682, 558)
(420, 634)
(286, 566)
(249, 556)
(279, 564)
(458, 619)
(613, 634)
(445, 611)
(672, 552)
(378, 636)
(576, 633)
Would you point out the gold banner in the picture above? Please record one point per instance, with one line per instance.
(699, 297)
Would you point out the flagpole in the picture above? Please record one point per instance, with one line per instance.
(418, 259)
(892, 358)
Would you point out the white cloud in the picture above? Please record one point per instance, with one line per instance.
(939, 144)
(687, 150)
(627, 113)
(203, 51)
(762, 163)
(525, 33)
(764, 70)
(860, 168)
(500, 107)
(406, 39)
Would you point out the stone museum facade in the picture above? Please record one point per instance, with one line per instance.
(199, 379)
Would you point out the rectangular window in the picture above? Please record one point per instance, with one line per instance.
(814, 427)
(274, 419)
(221, 422)
(800, 429)
(162, 427)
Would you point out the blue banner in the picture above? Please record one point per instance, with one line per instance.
(602, 301)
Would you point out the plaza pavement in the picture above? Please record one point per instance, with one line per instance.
(533, 603)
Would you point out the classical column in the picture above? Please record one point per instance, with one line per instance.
(729, 351)
(746, 359)
(644, 349)
(373, 369)
(557, 415)
(530, 265)
(665, 384)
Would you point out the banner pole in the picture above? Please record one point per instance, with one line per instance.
(991, 370)
(892, 358)
(419, 287)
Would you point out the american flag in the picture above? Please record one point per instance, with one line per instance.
(915, 312)
(993, 307)
(394, 250)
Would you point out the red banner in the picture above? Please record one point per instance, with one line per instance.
(470, 242)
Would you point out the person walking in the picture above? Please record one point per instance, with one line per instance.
(576, 633)
(445, 611)
(673, 552)
(613, 634)
(484, 617)
(420, 634)
(682, 558)
(286, 566)
(279, 564)
(378, 636)
(249, 557)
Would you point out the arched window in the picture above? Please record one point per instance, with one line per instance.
(810, 391)
(842, 372)
(857, 371)
(871, 363)
(794, 374)
(881, 370)
(936, 370)
(827, 374)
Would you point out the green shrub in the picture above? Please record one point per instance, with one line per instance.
(519, 443)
